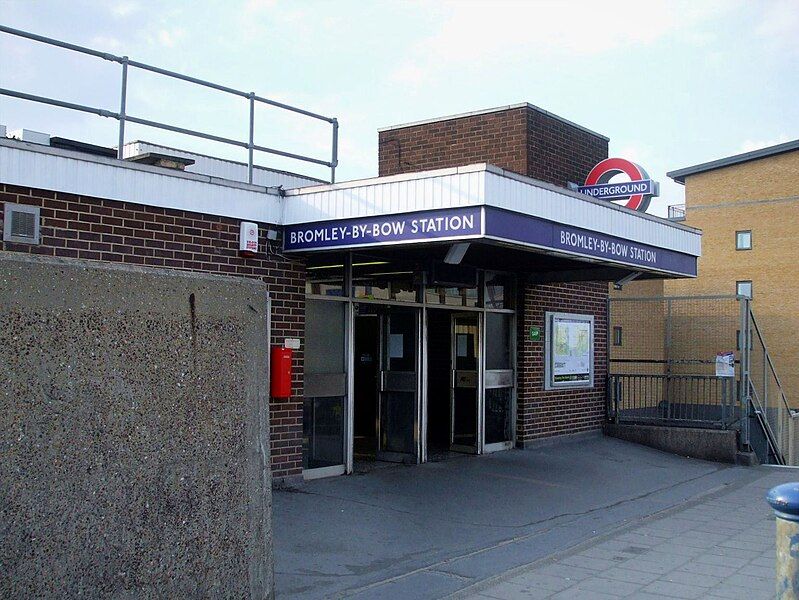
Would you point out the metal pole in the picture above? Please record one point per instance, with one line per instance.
(252, 137)
(122, 102)
(784, 499)
(745, 358)
(667, 383)
(334, 158)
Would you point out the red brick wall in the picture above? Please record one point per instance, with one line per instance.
(98, 229)
(498, 138)
(558, 152)
(544, 413)
(523, 140)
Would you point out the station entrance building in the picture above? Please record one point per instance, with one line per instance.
(455, 303)
(458, 302)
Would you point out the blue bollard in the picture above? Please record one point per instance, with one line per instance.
(784, 499)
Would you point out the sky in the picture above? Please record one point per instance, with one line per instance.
(672, 84)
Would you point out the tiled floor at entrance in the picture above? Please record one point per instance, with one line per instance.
(431, 530)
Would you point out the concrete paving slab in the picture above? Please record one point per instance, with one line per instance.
(449, 525)
(734, 567)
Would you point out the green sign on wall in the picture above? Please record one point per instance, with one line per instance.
(535, 333)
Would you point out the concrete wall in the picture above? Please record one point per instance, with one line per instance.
(123, 232)
(134, 445)
(707, 444)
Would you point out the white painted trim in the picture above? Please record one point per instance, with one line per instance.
(29, 165)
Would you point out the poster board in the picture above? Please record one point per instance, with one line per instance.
(569, 355)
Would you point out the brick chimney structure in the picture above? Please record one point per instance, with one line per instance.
(521, 138)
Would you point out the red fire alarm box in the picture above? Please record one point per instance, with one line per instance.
(280, 372)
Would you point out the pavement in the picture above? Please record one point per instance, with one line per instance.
(594, 518)
(720, 546)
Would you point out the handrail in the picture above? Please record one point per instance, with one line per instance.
(770, 437)
(122, 116)
(768, 355)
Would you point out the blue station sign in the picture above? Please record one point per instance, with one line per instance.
(386, 229)
(483, 222)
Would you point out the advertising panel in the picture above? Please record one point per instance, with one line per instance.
(571, 350)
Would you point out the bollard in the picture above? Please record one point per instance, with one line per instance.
(784, 499)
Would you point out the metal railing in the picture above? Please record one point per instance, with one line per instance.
(677, 212)
(662, 371)
(768, 399)
(123, 117)
(681, 400)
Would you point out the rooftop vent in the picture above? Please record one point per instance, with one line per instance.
(21, 223)
(156, 159)
(28, 135)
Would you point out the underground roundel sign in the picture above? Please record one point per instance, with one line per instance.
(635, 193)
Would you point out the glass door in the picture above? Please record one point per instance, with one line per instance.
(325, 388)
(465, 383)
(398, 399)
(499, 382)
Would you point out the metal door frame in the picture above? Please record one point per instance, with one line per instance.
(385, 327)
(478, 442)
(512, 372)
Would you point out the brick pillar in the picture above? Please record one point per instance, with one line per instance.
(542, 413)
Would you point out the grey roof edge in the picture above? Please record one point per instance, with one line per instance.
(679, 175)
(126, 164)
(227, 160)
(489, 168)
(486, 111)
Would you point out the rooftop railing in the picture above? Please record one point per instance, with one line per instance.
(123, 117)
(677, 212)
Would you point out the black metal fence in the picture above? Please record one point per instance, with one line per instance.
(662, 361)
(687, 400)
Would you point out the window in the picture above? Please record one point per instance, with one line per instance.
(569, 351)
(498, 290)
(743, 288)
(377, 279)
(743, 240)
(617, 336)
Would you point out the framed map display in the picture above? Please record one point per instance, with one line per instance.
(569, 360)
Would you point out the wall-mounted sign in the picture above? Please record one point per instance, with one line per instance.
(725, 364)
(423, 226)
(635, 193)
(482, 223)
(535, 333)
(569, 351)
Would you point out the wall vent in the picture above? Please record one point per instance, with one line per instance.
(20, 223)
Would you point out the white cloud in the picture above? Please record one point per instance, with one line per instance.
(474, 33)
(124, 9)
(171, 37)
(106, 43)
(779, 25)
(749, 145)
(254, 6)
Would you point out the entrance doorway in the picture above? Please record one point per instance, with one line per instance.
(453, 382)
(386, 399)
